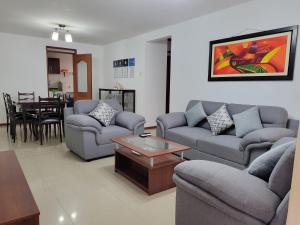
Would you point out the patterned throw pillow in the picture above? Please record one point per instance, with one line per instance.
(103, 113)
(220, 120)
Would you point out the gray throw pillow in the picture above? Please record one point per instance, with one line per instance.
(263, 165)
(220, 120)
(103, 113)
(195, 115)
(247, 121)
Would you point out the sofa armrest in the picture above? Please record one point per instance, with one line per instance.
(131, 121)
(265, 137)
(234, 187)
(168, 121)
(83, 121)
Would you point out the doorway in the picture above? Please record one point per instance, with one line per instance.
(69, 74)
(157, 79)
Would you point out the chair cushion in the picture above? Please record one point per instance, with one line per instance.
(187, 135)
(220, 120)
(103, 113)
(109, 132)
(247, 121)
(263, 165)
(223, 146)
(195, 115)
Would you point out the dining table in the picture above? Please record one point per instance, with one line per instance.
(32, 107)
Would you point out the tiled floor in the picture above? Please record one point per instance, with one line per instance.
(70, 191)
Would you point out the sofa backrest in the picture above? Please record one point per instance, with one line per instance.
(271, 116)
(86, 106)
(281, 176)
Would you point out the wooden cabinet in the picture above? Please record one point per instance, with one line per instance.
(53, 66)
(17, 205)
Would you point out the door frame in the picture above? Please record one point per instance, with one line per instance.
(168, 74)
(61, 50)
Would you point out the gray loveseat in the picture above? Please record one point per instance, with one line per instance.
(87, 138)
(210, 193)
(226, 148)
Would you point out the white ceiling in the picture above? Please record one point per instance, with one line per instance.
(101, 21)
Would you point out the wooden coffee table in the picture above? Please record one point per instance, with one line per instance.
(148, 162)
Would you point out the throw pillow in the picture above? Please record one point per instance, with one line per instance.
(220, 120)
(263, 165)
(103, 113)
(247, 121)
(195, 115)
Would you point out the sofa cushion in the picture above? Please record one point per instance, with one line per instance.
(263, 165)
(195, 114)
(271, 116)
(209, 108)
(104, 113)
(112, 131)
(187, 135)
(220, 120)
(281, 177)
(247, 121)
(232, 186)
(223, 146)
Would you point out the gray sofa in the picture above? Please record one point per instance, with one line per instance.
(87, 138)
(226, 148)
(210, 193)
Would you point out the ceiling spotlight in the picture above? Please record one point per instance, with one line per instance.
(55, 35)
(68, 37)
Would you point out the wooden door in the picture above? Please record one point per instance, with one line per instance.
(82, 76)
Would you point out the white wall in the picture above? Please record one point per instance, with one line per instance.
(23, 65)
(155, 80)
(190, 48)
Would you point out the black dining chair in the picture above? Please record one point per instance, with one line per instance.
(6, 111)
(14, 117)
(49, 114)
(26, 96)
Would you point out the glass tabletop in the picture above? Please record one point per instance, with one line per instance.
(149, 144)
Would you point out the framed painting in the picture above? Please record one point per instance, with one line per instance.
(267, 55)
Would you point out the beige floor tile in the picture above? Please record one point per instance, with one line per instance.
(73, 192)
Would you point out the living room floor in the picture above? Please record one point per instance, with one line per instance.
(71, 191)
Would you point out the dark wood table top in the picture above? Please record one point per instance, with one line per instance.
(16, 200)
(173, 147)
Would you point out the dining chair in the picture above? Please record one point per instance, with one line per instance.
(49, 113)
(26, 96)
(6, 111)
(14, 117)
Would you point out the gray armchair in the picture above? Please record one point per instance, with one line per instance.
(210, 193)
(87, 138)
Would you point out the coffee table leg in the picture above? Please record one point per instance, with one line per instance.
(181, 155)
(151, 161)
